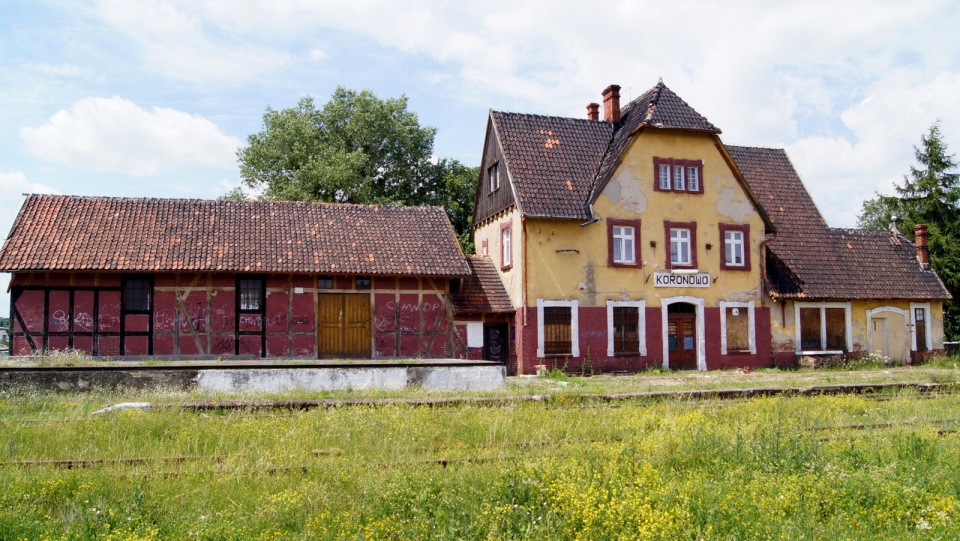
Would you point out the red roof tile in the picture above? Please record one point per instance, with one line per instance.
(810, 260)
(556, 162)
(482, 291)
(105, 233)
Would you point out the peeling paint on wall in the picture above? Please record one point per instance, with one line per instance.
(627, 190)
(734, 204)
(590, 285)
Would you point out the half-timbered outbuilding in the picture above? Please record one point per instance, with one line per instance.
(196, 278)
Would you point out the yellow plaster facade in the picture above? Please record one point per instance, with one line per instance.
(884, 327)
(569, 260)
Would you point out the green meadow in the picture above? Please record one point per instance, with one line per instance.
(884, 466)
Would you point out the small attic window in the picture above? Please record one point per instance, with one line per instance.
(675, 175)
(493, 177)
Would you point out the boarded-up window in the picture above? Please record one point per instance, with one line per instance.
(836, 329)
(810, 337)
(738, 329)
(626, 329)
(557, 338)
(823, 328)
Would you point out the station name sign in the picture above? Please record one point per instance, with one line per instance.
(666, 279)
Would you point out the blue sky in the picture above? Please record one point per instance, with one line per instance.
(152, 98)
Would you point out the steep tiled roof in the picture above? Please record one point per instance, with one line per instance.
(482, 291)
(778, 188)
(809, 260)
(105, 233)
(556, 162)
(658, 107)
(552, 161)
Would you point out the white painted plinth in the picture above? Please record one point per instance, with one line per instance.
(448, 378)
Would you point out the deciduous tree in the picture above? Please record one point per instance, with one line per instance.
(356, 148)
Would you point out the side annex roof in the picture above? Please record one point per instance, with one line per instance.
(68, 233)
(810, 260)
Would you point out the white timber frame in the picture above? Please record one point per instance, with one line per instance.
(665, 329)
(848, 323)
(928, 324)
(641, 328)
(749, 306)
(574, 325)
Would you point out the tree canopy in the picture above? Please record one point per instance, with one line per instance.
(356, 148)
(930, 194)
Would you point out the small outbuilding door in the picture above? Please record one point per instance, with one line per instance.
(496, 342)
(682, 336)
(343, 325)
(889, 337)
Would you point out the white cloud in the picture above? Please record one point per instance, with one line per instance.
(846, 87)
(886, 125)
(12, 187)
(61, 70)
(182, 45)
(115, 134)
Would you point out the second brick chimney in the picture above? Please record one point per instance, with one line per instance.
(611, 103)
(920, 239)
(593, 111)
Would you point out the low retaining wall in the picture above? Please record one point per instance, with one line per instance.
(447, 377)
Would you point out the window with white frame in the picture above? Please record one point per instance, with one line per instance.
(678, 181)
(678, 175)
(493, 177)
(624, 244)
(506, 255)
(733, 248)
(693, 178)
(626, 333)
(823, 326)
(680, 247)
(736, 246)
(558, 328)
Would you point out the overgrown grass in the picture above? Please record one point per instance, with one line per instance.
(845, 467)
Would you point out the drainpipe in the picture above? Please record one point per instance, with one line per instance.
(523, 288)
(763, 267)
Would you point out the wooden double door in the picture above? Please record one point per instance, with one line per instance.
(682, 338)
(344, 326)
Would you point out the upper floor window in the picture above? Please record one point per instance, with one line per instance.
(623, 251)
(678, 175)
(362, 282)
(506, 255)
(136, 294)
(493, 177)
(736, 247)
(681, 244)
(622, 241)
(325, 282)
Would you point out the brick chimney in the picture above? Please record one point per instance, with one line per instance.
(593, 111)
(611, 103)
(920, 239)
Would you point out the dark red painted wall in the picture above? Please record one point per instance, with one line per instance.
(593, 342)
(196, 315)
